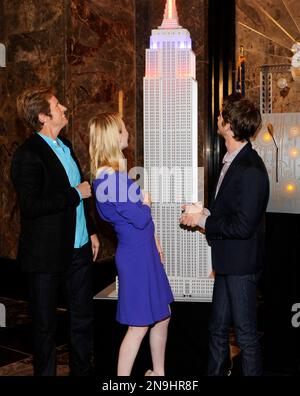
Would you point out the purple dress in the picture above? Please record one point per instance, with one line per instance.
(144, 290)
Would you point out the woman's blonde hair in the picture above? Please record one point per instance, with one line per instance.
(104, 147)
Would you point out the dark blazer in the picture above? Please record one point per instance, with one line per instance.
(47, 207)
(235, 229)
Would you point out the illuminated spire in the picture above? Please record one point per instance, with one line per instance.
(170, 17)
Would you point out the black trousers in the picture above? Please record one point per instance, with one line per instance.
(44, 288)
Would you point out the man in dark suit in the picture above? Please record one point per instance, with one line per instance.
(57, 241)
(234, 229)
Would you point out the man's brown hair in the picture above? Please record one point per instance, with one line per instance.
(242, 115)
(33, 102)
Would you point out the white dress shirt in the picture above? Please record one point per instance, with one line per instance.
(227, 160)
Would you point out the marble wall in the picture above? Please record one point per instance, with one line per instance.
(101, 62)
(34, 36)
(85, 49)
(269, 45)
(100, 52)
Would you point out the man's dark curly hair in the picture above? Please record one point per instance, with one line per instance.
(242, 115)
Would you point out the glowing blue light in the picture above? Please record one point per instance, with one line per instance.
(180, 41)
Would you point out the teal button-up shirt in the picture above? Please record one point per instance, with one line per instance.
(72, 171)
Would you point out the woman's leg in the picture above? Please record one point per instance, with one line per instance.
(129, 349)
(158, 340)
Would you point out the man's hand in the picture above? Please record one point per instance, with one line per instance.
(194, 216)
(193, 208)
(85, 189)
(191, 219)
(95, 245)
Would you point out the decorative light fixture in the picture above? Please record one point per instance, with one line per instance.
(294, 132)
(295, 69)
(295, 61)
(296, 57)
(290, 188)
(294, 152)
(267, 137)
(282, 83)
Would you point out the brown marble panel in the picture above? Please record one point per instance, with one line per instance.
(100, 94)
(101, 60)
(22, 16)
(143, 28)
(101, 30)
(1, 21)
(193, 17)
(9, 212)
(34, 34)
(100, 55)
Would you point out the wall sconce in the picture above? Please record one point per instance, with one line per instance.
(282, 83)
(267, 138)
(294, 152)
(294, 132)
(290, 188)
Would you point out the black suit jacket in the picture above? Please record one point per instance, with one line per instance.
(47, 207)
(235, 229)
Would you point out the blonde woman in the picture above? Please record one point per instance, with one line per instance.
(144, 290)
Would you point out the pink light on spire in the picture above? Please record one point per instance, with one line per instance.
(170, 20)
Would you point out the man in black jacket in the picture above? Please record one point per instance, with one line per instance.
(57, 241)
(234, 230)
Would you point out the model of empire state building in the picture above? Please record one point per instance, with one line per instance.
(170, 155)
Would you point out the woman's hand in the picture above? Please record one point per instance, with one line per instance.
(160, 251)
(95, 245)
(147, 198)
